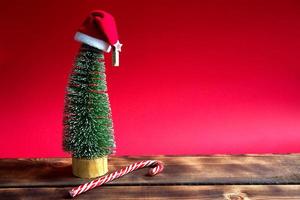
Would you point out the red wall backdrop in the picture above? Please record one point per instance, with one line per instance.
(196, 77)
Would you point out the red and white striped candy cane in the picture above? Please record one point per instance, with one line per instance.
(156, 167)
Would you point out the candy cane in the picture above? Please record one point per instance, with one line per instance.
(156, 167)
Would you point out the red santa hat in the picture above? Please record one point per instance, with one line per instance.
(99, 30)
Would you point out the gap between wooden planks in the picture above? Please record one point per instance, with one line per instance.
(216, 192)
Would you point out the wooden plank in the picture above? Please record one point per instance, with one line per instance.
(200, 170)
(217, 192)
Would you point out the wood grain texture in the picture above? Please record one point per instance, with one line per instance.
(192, 170)
(217, 192)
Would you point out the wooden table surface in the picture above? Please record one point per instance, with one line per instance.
(239, 177)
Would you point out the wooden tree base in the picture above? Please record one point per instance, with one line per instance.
(93, 168)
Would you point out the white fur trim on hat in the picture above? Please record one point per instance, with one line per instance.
(94, 42)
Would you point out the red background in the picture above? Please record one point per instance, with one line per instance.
(196, 77)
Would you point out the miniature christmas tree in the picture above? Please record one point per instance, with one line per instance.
(88, 127)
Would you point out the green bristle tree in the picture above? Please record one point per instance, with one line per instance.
(88, 128)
